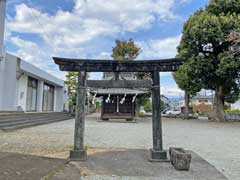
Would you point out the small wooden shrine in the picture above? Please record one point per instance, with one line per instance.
(118, 103)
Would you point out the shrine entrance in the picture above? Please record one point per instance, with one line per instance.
(118, 103)
(86, 65)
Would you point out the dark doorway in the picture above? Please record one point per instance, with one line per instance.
(31, 94)
(115, 109)
(48, 97)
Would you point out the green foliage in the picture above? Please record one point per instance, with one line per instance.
(140, 114)
(163, 105)
(128, 50)
(232, 111)
(224, 6)
(71, 82)
(98, 105)
(143, 100)
(147, 105)
(206, 52)
(227, 106)
(184, 80)
(125, 50)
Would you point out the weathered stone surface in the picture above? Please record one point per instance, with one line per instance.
(131, 164)
(157, 153)
(158, 156)
(180, 159)
(90, 65)
(78, 155)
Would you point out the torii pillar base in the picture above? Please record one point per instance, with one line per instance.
(78, 155)
(158, 156)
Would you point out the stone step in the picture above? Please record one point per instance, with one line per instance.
(30, 124)
(10, 116)
(9, 124)
(18, 119)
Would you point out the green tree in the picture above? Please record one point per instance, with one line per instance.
(205, 50)
(187, 84)
(128, 50)
(71, 82)
(125, 50)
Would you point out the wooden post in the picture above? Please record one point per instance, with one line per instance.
(79, 152)
(157, 153)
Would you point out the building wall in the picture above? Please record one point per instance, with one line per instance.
(2, 77)
(8, 83)
(58, 99)
(59, 96)
(201, 101)
(202, 108)
(14, 81)
(236, 105)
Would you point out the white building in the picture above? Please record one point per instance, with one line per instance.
(203, 100)
(236, 105)
(24, 87)
(197, 100)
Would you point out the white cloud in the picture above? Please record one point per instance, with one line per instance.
(67, 33)
(27, 49)
(185, 1)
(31, 52)
(160, 48)
(89, 20)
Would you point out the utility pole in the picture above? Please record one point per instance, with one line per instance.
(2, 26)
(2, 53)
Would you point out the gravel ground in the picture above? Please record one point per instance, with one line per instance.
(218, 143)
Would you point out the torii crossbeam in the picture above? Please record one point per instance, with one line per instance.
(89, 65)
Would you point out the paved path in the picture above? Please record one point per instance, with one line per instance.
(216, 142)
(133, 164)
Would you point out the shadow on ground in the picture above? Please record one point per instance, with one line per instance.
(102, 164)
(25, 167)
(134, 163)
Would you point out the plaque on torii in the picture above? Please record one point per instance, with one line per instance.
(89, 65)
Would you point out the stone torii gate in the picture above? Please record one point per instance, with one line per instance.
(88, 65)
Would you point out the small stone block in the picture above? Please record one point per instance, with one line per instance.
(78, 155)
(158, 156)
(180, 159)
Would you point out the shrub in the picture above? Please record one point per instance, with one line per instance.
(148, 105)
(140, 114)
(232, 111)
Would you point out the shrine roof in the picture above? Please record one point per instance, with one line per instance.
(114, 91)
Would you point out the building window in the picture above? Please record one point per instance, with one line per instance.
(31, 94)
(48, 97)
(203, 101)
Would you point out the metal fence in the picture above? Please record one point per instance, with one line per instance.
(234, 116)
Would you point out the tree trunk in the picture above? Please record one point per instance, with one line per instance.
(218, 115)
(186, 108)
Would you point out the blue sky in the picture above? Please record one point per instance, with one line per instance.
(36, 30)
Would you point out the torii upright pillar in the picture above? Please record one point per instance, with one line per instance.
(157, 153)
(79, 153)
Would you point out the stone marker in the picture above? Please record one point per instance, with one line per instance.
(180, 159)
